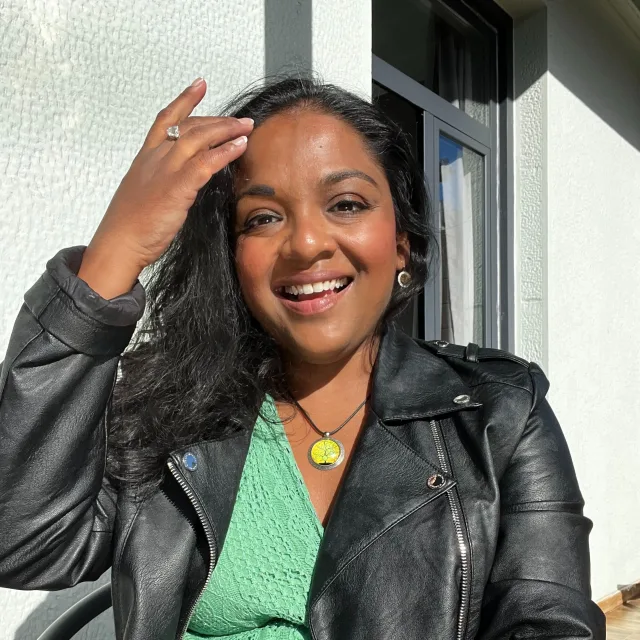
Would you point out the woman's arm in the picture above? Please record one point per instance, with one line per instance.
(540, 581)
(56, 508)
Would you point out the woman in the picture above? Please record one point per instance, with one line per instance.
(276, 459)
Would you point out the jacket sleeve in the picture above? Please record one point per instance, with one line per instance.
(539, 586)
(57, 510)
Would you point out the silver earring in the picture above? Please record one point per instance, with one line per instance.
(404, 278)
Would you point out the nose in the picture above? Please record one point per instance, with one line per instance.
(309, 237)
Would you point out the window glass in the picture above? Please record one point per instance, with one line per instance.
(462, 204)
(418, 38)
(404, 113)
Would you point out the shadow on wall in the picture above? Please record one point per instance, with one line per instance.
(56, 603)
(287, 36)
(569, 43)
(608, 84)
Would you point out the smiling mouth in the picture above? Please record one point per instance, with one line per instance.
(310, 299)
(315, 291)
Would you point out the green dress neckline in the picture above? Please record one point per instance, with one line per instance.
(260, 585)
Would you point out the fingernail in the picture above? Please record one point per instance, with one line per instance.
(197, 82)
(246, 120)
(239, 141)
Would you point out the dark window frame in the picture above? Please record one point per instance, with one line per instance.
(494, 141)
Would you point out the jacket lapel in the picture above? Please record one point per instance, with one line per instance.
(216, 479)
(394, 456)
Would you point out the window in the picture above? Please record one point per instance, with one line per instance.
(441, 70)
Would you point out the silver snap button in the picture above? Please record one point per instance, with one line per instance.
(189, 461)
(461, 399)
(442, 343)
(435, 481)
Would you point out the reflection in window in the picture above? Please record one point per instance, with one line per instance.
(462, 205)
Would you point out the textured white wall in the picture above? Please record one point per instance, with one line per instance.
(342, 43)
(593, 258)
(81, 84)
(578, 157)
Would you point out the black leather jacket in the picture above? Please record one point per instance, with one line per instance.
(459, 516)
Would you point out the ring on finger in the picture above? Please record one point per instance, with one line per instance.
(173, 133)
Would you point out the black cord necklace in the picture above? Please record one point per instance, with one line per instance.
(327, 452)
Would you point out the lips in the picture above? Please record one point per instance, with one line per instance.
(310, 289)
(311, 303)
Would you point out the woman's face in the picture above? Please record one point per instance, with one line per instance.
(314, 213)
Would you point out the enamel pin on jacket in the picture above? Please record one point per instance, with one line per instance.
(459, 516)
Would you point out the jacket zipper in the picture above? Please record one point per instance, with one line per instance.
(462, 544)
(208, 533)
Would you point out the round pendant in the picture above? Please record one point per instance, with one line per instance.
(326, 453)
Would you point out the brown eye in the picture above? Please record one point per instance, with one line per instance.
(349, 206)
(260, 220)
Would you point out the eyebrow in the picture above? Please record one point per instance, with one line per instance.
(257, 190)
(330, 179)
(339, 176)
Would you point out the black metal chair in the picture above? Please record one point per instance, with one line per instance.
(79, 615)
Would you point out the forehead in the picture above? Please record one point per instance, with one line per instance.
(300, 147)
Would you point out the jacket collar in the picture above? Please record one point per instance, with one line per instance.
(410, 381)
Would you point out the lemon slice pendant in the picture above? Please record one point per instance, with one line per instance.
(326, 453)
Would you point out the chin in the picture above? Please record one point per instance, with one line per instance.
(317, 347)
(313, 355)
(323, 338)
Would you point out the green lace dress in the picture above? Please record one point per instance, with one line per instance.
(259, 587)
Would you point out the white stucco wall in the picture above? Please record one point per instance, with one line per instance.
(81, 83)
(577, 200)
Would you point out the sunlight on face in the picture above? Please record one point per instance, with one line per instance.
(317, 252)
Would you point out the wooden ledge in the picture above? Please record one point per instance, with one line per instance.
(621, 596)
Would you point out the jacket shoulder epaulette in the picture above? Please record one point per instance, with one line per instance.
(471, 352)
(480, 365)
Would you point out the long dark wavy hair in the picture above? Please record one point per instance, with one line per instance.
(200, 364)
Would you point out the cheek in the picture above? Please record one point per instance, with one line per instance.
(253, 265)
(376, 245)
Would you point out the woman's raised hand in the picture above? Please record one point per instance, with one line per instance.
(151, 203)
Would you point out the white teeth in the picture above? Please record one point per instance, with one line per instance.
(316, 287)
